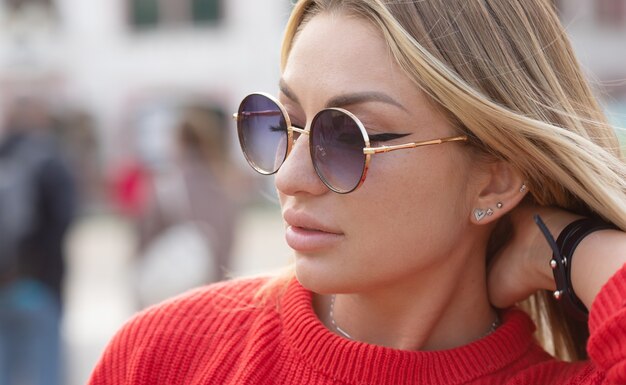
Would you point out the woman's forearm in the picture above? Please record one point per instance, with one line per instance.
(595, 260)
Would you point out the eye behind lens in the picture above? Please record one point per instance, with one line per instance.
(336, 146)
(262, 130)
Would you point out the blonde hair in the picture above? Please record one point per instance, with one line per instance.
(504, 72)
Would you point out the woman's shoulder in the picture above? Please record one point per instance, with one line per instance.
(225, 296)
(196, 313)
(180, 332)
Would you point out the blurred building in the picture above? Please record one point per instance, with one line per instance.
(598, 32)
(122, 60)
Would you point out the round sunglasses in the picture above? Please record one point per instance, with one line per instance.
(339, 145)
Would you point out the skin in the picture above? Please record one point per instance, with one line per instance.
(407, 256)
(521, 267)
(408, 259)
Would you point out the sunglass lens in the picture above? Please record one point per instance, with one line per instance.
(336, 145)
(262, 129)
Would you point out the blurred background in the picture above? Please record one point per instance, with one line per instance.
(116, 123)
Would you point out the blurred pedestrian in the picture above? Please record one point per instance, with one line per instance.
(36, 208)
(128, 187)
(187, 231)
(75, 132)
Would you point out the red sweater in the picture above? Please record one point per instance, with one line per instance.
(221, 335)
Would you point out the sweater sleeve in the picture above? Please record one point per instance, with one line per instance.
(198, 333)
(607, 327)
(115, 365)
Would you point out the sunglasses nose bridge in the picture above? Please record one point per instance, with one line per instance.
(296, 132)
(300, 130)
(297, 173)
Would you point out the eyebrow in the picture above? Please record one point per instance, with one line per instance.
(284, 88)
(362, 97)
(346, 99)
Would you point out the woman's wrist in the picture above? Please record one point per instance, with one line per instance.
(523, 265)
(596, 259)
(556, 220)
(592, 254)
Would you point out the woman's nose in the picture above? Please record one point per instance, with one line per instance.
(297, 174)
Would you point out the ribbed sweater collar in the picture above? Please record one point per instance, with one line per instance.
(354, 362)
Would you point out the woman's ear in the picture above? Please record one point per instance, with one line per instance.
(502, 189)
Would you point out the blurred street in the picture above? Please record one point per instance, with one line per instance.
(98, 287)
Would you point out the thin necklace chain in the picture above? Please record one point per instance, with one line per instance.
(332, 319)
(494, 325)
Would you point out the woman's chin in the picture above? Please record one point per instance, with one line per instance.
(316, 278)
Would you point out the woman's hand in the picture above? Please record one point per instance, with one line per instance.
(522, 266)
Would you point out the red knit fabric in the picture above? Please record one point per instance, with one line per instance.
(221, 335)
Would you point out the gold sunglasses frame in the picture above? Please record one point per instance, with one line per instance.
(368, 151)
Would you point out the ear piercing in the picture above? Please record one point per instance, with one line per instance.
(479, 214)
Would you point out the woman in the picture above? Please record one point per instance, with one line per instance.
(492, 122)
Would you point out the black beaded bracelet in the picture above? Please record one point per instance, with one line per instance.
(561, 262)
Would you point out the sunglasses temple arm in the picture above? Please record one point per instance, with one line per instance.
(375, 150)
(256, 113)
(300, 130)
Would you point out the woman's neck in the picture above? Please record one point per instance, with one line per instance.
(439, 310)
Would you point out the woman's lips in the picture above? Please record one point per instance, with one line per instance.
(308, 240)
(307, 233)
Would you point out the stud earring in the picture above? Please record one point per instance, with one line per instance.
(489, 212)
(479, 214)
(499, 205)
(523, 188)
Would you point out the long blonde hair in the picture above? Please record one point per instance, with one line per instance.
(505, 73)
